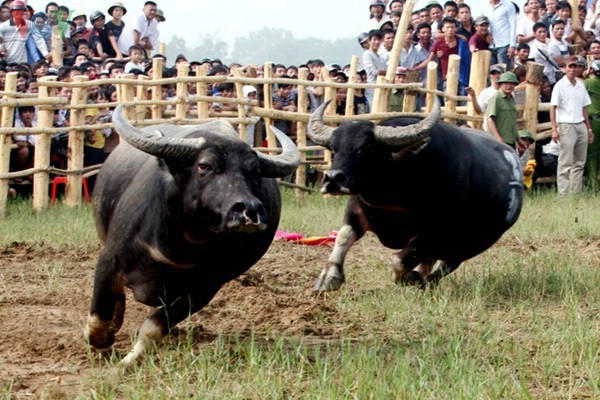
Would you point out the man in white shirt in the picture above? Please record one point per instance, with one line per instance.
(503, 25)
(571, 127)
(141, 31)
(377, 9)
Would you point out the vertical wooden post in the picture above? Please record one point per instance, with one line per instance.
(452, 84)
(183, 71)
(239, 89)
(6, 140)
(535, 73)
(141, 94)
(127, 95)
(330, 93)
(268, 93)
(351, 91)
(202, 90)
(480, 65)
(41, 180)
(409, 103)
(76, 140)
(575, 19)
(57, 48)
(382, 96)
(157, 73)
(431, 84)
(301, 129)
(162, 48)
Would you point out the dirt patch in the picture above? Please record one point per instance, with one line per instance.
(45, 294)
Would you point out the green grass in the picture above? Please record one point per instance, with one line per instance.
(520, 321)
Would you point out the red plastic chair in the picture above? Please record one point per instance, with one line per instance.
(62, 180)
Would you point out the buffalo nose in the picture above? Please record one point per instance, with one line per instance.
(249, 212)
(334, 181)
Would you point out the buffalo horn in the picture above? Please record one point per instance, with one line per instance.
(283, 164)
(318, 132)
(403, 135)
(153, 142)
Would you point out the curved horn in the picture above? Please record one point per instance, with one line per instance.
(403, 135)
(154, 142)
(283, 164)
(317, 131)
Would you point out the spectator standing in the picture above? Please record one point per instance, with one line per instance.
(550, 15)
(467, 25)
(115, 27)
(15, 33)
(571, 127)
(283, 99)
(503, 24)
(373, 63)
(592, 164)
(481, 102)
(525, 24)
(501, 112)
(539, 52)
(482, 38)
(558, 48)
(99, 37)
(377, 10)
(142, 31)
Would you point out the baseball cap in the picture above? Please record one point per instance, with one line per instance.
(482, 19)
(497, 68)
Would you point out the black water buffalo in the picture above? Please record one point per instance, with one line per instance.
(437, 193)
(181, 211)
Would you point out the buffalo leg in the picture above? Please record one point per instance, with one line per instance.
(440, 270)
(108, 305)
(332, 276)
(159, 323)
(410, 267)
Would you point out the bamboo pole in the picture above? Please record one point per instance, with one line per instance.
(183, 70)
(162, 48)
(157, 72)
(127, 93)
(76, 140)
(577, 40)
(535, 73)
(431, 85)
(452, 83)
(41, 180)
(268, 100)
(6, 140)
(57, 48)
(301, 130)
(383, 93)
(480, 65)
(201, 90)
(409, 103)
(379, 102)
(351, 91)
(140, 97)
(330, 93)
(239, 89)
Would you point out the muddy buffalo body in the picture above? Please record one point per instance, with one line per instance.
(181, 211)
(437, 193)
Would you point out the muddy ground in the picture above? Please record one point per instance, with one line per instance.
(45, 293)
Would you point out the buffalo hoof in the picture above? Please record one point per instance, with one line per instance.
(328, 283)
(99, 334)
(412, 278)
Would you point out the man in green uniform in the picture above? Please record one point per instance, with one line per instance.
(501, 112)
(592, 164)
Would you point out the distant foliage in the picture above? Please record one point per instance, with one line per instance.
(276, 45)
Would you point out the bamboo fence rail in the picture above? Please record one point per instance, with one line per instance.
(145, 105)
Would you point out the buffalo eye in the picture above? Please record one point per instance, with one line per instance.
(203, 167)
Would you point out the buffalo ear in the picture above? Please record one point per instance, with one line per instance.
(412, 149)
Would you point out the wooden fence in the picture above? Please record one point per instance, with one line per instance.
(144, 105)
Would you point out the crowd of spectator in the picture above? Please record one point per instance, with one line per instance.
(542, 32)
